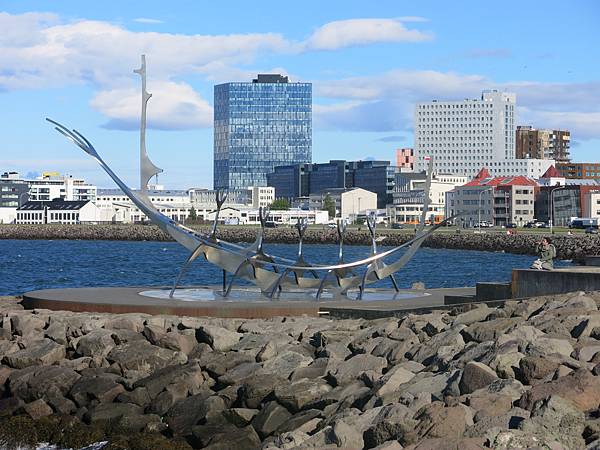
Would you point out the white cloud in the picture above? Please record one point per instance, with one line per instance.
(385, 102)
(147, 20)
(352, 32)
(172, 106)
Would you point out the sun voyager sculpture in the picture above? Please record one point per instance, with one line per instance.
(271, 273)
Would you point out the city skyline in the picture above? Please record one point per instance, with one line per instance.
(369, 65)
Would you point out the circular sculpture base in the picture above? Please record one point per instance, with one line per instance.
(208, 301)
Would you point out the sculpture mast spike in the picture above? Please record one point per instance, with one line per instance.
(147, 168)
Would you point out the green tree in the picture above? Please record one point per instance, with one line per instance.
(193, 216)
(280, 204)
(329, 206)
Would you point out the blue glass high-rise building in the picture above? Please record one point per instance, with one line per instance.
(259, 126)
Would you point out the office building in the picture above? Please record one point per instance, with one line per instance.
(579, 170)
(497, 200)
(301, 180)
(543, 144)
(405, 159)
(258, 126)
(255, 196)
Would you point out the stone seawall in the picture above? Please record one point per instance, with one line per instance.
(521, 375)
(568, 247)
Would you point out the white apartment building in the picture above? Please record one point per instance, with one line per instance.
(51, 185)
(349, 202)
(464, 136)
(254, 196)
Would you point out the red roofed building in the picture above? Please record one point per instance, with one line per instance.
(495, 200)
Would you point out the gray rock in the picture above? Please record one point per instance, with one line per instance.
(95, 343)
(352, 368)
(392, 380)
(544, 346)
(317, 369)
(103, 389)
(35, 382)
(217, 364)
(138, 423)
(303, 421)
(57, 331)
(220, 435)
(536, 368)
(478, 314)
(220, 339)
(270, 417)
(185, 414)
(491, 329)
(111, 412)
(144, 357)
(285, 363)
(476, 376)
(26, 323)
(298, 394)
(256, 389)
(239, 373)
(346, 436)
(450, 339)
(130, 322)
(240, 417)
(189, 376)
(38, 409)
(437, 421)
(45, 352)
(557, 418)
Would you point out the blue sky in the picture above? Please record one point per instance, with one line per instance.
(369, 62)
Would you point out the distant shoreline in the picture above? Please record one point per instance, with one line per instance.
(568, 247)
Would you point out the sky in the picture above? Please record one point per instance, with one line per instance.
(369, 63)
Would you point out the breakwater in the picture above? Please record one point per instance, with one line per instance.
(568, 247)
(522, 375)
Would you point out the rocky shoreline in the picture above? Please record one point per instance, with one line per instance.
(568, 247)
(522, 375)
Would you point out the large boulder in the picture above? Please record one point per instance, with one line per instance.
(475, 376)
(270, 417)
(102, 389)
(297, 395)
(45, 352)
(580, 387)
(438, 421)
(185, 414)
(40, 381)
(144, 357)
(220, 339)
(536, 368)
(286, 362)
(490, 330)
(96, 343)
(352, 368)
(559, 419)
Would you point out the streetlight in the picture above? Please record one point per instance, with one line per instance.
(479, 207)
(551, 206)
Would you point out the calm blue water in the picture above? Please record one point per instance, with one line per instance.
(30, 265)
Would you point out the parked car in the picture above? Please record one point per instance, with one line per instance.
(484, 224)
(396, 226)
(591, 230)
(511, 225)
(331, 225)
(541, 225)
(270, 224)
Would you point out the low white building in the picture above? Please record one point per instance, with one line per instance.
(58, 211)
(349, 203)
(530, 168)
(409, 202)
(250, 216)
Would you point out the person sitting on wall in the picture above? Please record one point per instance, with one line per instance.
(547, 253)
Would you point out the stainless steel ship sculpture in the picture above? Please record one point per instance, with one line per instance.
(271, 273)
